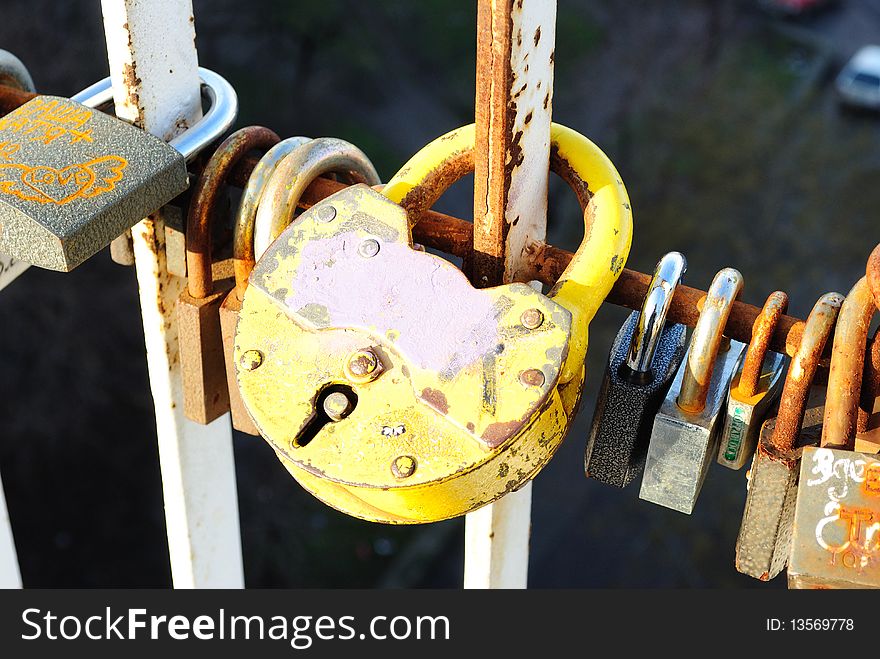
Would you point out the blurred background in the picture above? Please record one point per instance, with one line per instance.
(723, 118)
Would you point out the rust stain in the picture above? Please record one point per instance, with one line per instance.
(436, 399)
(498, 432)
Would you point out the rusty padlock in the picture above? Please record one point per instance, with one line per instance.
(388, 385)
(205, 394)
(325, 156)
(836, 536)
(754, 388)
(764, 540)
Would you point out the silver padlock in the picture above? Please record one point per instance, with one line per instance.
(643, 361)
(74, 178)
(684, 438)
(764, 539)
(754, 388)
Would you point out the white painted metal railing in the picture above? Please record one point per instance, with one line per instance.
(153, 65)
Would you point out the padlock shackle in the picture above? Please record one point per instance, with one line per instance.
(801, 371)
(204, 200)
(847, 364)
(762, 331)
(607, 216)
(652, 317)
(318, 157)
(217, 120)
(243, 237)
(13, 72)
(872, 272)
(706, 340)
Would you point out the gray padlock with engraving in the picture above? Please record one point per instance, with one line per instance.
(684, 438)
(643, 361)
(836, 532)
(72, 179)
(764, 539)
(754, 388)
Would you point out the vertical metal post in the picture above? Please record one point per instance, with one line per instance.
(515, 49)
(10, 577)
(154, 68)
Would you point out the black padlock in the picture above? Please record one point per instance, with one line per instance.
(641, 367)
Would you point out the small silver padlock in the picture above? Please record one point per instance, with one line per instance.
(754, 388)
(643, 361)
(684, 439)
(764, 540)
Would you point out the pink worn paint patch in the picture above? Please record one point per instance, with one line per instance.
(421, 302)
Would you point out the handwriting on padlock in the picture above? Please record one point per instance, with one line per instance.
(858, 533)
(844, 469)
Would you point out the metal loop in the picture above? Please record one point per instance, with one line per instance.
(220, 115)
(13, 72)
(762, 331)
(652, 317)
(706, 340)
(873, 274)
(243, 241)
(324, 155)
(847, 365)
(795, 391)
(198, 224)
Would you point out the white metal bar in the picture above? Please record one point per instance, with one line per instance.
(515, 47)
(10, 576)
(153, 65)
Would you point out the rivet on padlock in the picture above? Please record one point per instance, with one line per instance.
(754, 387)
(684, 438)
(764, 540)
(306, 166)
(643, 361)
(74, 178)
(205, 393)
(475, 394)
(836, 534)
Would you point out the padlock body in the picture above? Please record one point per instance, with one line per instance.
(465, 391)
(745, 414)
(764, 541)
(241, 419)
(836, 534)
(72, 179)
(628, 403)
(682, 444)
(203, 366)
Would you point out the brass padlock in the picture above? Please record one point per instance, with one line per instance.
(205, 394)
(388, 385)
(836, 533)
(291, 159)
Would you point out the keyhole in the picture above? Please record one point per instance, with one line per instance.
(334, 403)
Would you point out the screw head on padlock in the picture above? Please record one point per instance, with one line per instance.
(203, 367)
(74, 178)
(764, 539)
(473, 395)
(754, 388)
(684, 437)
(836, 532)
(323, 156)
(643, 361)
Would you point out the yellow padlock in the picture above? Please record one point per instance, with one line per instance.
(390, 387)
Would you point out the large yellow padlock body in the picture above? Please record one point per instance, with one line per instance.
(475, 388)
(460, 373)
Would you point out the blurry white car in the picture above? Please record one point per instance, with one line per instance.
(859, 82)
